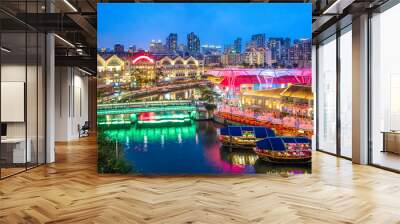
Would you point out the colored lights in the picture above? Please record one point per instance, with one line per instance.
(235, 77)
(144, 109)
(143, 57)
(153, 118)
(164, 121)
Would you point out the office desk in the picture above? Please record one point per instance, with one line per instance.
(13, 150)
(391, 141)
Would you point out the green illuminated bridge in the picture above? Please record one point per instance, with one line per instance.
(152, 106)
(128, 113)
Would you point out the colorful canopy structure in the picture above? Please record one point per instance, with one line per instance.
(259, 132)
(278, 143)
(234, 77)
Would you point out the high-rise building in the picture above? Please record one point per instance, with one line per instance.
(119, 48)
(259, 40)
(255, 57)
(237, 45)
(209, 49)
(172, 42)
(231, 58)
(132, 49)
(267, 57)
(285, 48)
(212, 60)
(193, 43)
(156, 46)
(275, 45)
(251, 44)
(302, 52)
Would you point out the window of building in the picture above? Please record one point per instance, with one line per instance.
(327, 95)
(385, 89)
(346, 92)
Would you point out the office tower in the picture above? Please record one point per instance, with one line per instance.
(258, 39)
(255, 57)
(156, 46)
(119, 48)
(193, 43)
(132, 49)
(251, 44)
(302, 52)
(267, 57)
(210, 49)
(275, 45)
(285, 48)
(172, 42)
(237, 45)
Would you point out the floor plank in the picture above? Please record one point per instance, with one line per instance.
(71, 191)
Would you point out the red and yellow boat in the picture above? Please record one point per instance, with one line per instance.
(244, 137)
(284, 150)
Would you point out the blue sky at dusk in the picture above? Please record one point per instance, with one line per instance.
(214, 23)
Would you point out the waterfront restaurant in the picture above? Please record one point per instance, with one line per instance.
(295, 100)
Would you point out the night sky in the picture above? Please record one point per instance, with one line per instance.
(214, 23)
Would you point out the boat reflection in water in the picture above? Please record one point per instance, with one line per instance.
(192, 148)
(246, 158)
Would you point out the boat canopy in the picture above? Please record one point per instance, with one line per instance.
(259, 132)
(278, 143)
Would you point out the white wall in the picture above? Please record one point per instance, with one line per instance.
(12, 73)
(33, 126)
(71, 102)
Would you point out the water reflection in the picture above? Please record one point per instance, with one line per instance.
(189, 149)
(245, 158)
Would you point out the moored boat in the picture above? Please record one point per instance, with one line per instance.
(284, 150)
(244, 137)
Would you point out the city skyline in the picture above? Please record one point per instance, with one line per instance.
(222, 46)
(153, 25)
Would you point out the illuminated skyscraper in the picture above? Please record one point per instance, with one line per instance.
(155, 46)
(172, 42)
(259, 40)
(237, 45)
(275, 45)
(193, 43)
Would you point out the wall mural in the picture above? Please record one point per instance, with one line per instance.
(189, 88)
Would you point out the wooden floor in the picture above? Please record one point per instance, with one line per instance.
(70, 191)
(387, 159)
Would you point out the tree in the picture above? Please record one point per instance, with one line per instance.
(210, 97)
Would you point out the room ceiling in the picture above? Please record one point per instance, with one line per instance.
(74, 21)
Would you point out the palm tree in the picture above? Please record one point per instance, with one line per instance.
(210, 98)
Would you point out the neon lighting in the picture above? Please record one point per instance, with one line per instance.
(163, 121)
(149, 109)
(151, 117)
(153, 134)
(234, 77)
(152, 103)
(147, 116)
(147, 58)
(113, 122)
